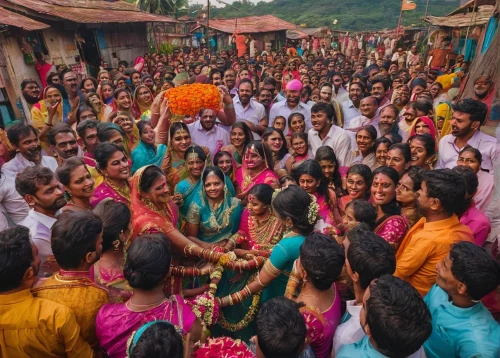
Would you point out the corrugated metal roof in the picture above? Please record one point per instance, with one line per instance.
(250, 24)
(98, 13)
(13, 19)
(470, 5)
(461, 19)
(95, 4)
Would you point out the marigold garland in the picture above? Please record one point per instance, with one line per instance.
(189, 99)
(249, 317)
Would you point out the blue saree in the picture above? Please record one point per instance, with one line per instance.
(145, 154)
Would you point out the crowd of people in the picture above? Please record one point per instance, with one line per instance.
(333, 207)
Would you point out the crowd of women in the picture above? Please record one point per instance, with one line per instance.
(153, 245)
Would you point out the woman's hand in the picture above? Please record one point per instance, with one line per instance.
(52, 110)
(177, 199)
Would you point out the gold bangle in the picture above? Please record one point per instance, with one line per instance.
(260, 282)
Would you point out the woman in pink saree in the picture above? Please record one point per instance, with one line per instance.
(113, 164)
(256, 169)
(147, 268)
(390, 224)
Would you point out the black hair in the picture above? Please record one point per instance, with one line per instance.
(391, 208)
(381, 140)
(115, 218)
(16, 256)
(219, 155)
(427, 140)
(148, 261)
(385, 82)
(246, 130)
(73, 236)
(471, 183)
(281, 329)
(57, 129)
(398, 317)
(292, 115)
(267, 133)
(28, 179)
(27, 81)
(149, 176)
(364, 212)
(301, 135)
(364, 171)
(212, 170)
(246, 80)
(159, 340)
(178, 126)
(104, 151)
(370, 130)
(477, 154)
(269, 81)
(476, 268)
(63, 73)
(361, 84)
(424, 105)
(63, 173)
(20, 130)
(323, 259)
(262, 150)
(263, 193)
(105, 131)
(369, 255)
(141, 125)
(447, 186)
(286, 178)
(91, 79)
(325, 108)
(86, 124)
(404, 148)
(311, 167)
(476, 109)
(294, 202)
(416, 175)
(195, 149)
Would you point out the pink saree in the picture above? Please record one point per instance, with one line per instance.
(393, 229)
(115, 323)
(245, 182)
(103, 191)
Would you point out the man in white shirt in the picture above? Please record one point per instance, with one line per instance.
(204, 132)
(350, 108)
(25, 140)
(368, 108)
(12, 204)
(292, 104)
(250, 111)
(468, 116)
(324, 132)
(368, 257)
(45, 195)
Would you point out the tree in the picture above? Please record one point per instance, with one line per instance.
(162, 7)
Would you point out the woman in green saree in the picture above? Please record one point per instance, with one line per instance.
(213, 215)
(196, 160)
(146, 152)
(298, 212)
(259, 231)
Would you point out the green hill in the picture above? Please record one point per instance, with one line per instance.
(351, 14)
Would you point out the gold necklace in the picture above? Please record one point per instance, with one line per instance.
(249, 178)
(123, 192)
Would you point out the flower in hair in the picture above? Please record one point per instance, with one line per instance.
(312, 214)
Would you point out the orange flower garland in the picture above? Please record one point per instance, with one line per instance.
(189, 99)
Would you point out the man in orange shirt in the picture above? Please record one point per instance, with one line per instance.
(430, 239)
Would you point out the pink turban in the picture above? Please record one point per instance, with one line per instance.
(294, 85)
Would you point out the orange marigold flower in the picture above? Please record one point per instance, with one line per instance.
(189, 99)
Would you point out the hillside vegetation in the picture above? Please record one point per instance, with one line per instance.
(351, 14)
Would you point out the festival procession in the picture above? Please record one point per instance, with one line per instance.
(227, 181)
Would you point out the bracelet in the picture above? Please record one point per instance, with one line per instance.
(156, 113)
(259, 281)
(228, 106)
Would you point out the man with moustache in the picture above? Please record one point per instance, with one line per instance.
(468, 116)
(265, 98)
(216, 77)
(325, 132)
(368, 108)
(292, 104)
(339, 93)
(484, 91)
(31, 94)
(88, 139)
(45, 195)
(350, 108)
(70, 82)
(380, 86)
(204, 131)
(25, 140)
(230, 81)
(62, 140)
(250, 111)
(388, 120)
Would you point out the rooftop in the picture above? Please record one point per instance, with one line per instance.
(250, 24)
